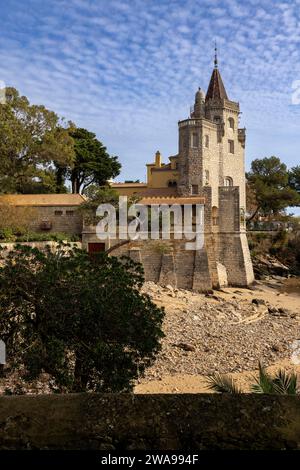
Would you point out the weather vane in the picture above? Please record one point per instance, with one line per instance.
(216, 55)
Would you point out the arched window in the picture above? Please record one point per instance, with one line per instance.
(228, 181)
(206, 141)
(172, 184)
(231, 123)
(215, 215)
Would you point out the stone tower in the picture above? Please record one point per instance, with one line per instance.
(208, 170)
(211, 146)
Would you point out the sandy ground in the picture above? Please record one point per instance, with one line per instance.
(273, 292)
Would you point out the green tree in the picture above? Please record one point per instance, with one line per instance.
(269, 180)
(97, 195)
(92, 164)
(81, 319)
(294, 179)
(31, 138)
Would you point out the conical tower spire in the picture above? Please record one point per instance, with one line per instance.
(216, 89)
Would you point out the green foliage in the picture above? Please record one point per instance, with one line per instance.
(222, 383)
(7, 234)
(31, 138)
(92, 164)
(79, 318)
(281, 384)
(269, 181)
(95, 196)
(294, 178)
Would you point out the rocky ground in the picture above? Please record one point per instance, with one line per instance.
(226, 331)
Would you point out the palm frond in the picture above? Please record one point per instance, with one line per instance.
(221, 383)
(264, 383)
(285, 383)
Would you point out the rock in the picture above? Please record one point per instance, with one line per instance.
(272, 310)
(169, 287)
(209, 293)
(258, 302)
(277, 348)
(185, 346)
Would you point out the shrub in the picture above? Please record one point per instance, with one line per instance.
(80, 319)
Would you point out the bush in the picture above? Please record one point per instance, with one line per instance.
(78, 318)
(7, 235)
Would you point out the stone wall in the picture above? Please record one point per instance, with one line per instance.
(64, 219)
(123, 422)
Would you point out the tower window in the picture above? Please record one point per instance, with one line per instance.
(207, 141)
(228, 181)
(206, 177)
(195, 189)
(231, 123)
(195, 140)
(230, 146)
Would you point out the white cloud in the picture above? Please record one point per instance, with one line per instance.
(129, 69)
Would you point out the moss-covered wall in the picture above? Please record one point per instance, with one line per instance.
(151, 422)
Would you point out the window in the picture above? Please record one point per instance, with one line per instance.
(230, 146)
(207, 141)
(217, 119)
(70, 213)
(195, 140)
(231, 123)
(242, 216)
(215, 215)
(58, 213)
(172, 184)
(228, 181)
(194, 188)
(206, 177)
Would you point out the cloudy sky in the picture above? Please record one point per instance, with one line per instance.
(128, 69)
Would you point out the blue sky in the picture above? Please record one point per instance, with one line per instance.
(128, 70)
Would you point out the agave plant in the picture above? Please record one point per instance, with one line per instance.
(282, 383)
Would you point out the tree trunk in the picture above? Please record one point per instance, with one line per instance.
(75, 183)
(253, 215)
(80, 376)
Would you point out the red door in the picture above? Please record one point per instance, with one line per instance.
(96, 247)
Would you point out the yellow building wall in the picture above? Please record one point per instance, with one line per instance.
(159, 178)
